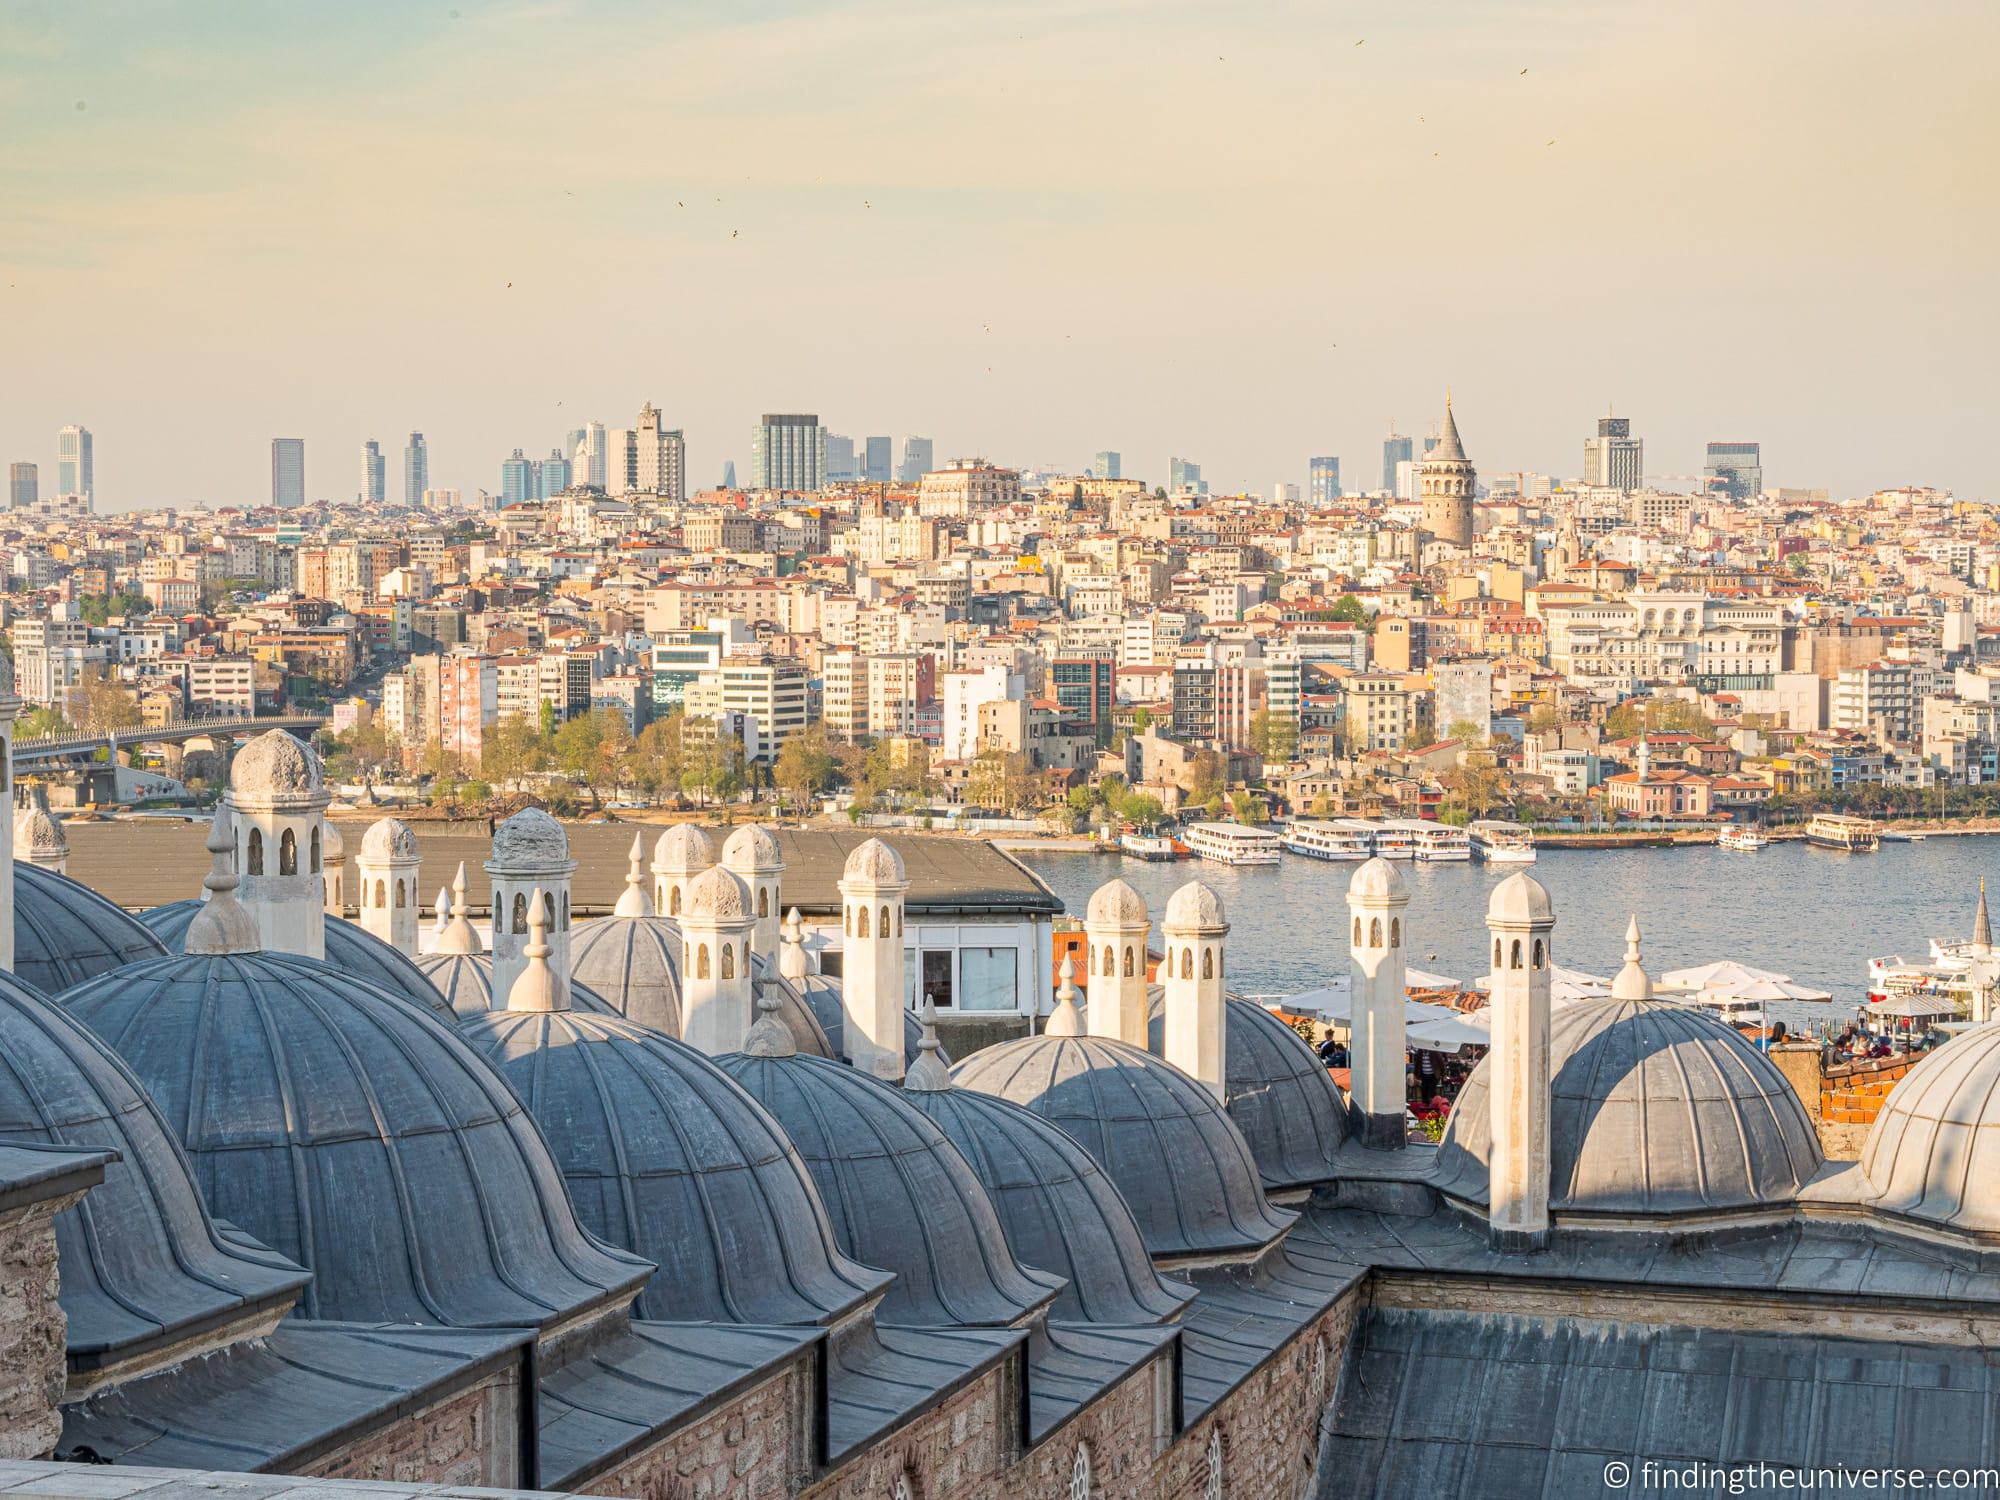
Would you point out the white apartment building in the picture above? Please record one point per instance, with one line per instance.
(962, 694)
(966, 486)
(1879, 700)
(219, 685)
(771, 695)
(1620, 646)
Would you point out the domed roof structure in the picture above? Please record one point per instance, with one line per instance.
(1275, 1089)
(530, 840)
(1115, 904)
(1657, 1109)
(1378, 879)
(752, 847)
(332, 845)
(634, 964)
(350, 948)
(899, 1194)
(389, 839)
(143, 1264)
(36, 831)
(1931, 1153)
(1180, 1163)
(717, 894)
(1520, 900)
(665, 1156)
(820, 997)
(1194, 905)
(65, 933)
(684, 846)
(276, 767)
(874, 861)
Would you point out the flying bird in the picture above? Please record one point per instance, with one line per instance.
(1362, 40)
(1524, 72)
(733, 233)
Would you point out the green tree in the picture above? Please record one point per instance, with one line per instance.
(1658, 716)
(1466, 733)
(1248, 807)
(1205, 777)
(1142, 810)
(1142, 720)
(805, 766)
(40, 723)
(658, 758)
(98, 704)
(513, 750)
(1274, 737)
(98, 609)
(1352, 611)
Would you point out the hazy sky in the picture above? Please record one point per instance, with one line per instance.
(1242, 232)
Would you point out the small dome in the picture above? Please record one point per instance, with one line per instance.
(752, 848)
(359, 1136)
(635, 964)
(717, 894)
(1194, 907)
(1278, 1093)
(388, 840)
(1657, 1109)
(1931, 1151)
(1520, 901)
(684, 847)
(36, 831)
(142, 1263)
(275, 766)
(899, 1194)
(332, 845)
(666, 1157)
(530, 840)
(350, 948)
(1116, 904)
(874, 861)
(1377, 880)
(1181, 1165)
(1061, 1213)
(65, 933)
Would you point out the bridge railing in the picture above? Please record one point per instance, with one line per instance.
(178, 729)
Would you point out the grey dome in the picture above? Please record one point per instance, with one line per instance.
(350, 948)
(276, 767)
(531, 840)
(1276, 1091)
(1182, 1166)
(1930, 1153)
(388, 839)
(359, 1136)
(1061, 1213)
(899, 1194)
(142, 1263)
(665, 1156)
(635, 964)
(1657, 1109)
(465, 981)
(822, 997)
(65, 933)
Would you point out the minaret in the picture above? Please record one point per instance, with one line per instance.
(715, 924)
(537, 988)
(38, 837)
(1632, 981)
(277, 796)
(682, 853)
(458, 935)
(1378, 964)
(386, 875)
(1446, 484)
(10, 710)
(1196, 1033)
(1983, 969)
(1065, 1019)
(530, 859)
(1520, 920)
(1115, 926)
(333, 868)
(871, 985)
(754, 855)
(792, 948)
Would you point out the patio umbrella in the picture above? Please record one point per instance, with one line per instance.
(1418, 979)
(1726, 974)
(1447, 1035)
(1564, 985)
(1759, 992)
(1913, 1006)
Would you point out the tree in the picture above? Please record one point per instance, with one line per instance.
(1205, 777)
(98, 609)
(1248, 807)
(1472, 788)
(1545, 718)
(361, 751)
(1353, 611)
(1142, 810)
(1273, 736)
(1656, 716)
(513, 750)
(658, 757)
(805, 766)
(591, 749)
(1142, 720)
(98, 704)
(40, 723)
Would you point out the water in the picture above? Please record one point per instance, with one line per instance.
(1816, 915)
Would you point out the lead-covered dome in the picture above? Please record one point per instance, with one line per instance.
(1932, 1153)
(65, 933)
(1115, 904)
(752, 847)
(666, 1157)
(389, 840)
(635, 964)
(899, 1194)
(874, 861)
(276, 767)
(142, 1262)
(530, 840)
(821, 1006)
(359, 1136)
(1177, 1159)
(1657, 1109)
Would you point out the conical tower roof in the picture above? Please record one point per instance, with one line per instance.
(1448, 445)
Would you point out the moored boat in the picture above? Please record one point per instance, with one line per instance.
(1743, 840)
(1441, 841)
(1148, 846)
(1232, 844)
(1336, 839)
(1499, 842)
(1841, 831)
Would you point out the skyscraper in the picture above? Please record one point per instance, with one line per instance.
(648, 458)
(1446, 483)
(374, 472)
(589, 456)
(1322, 481)
(1740, 466)
(877, 467)
(787, 452)
(517, 479)
(729, 473)
(288, 472)
(919, 457)
(1107, 465)
(1184, 475)
(552, 475)
(416, 470)
(24, 485)
(1614, 458)
(840, 465)
(1396, 449)
(73, 462)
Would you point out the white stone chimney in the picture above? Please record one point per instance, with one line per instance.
(753, 853)
(1378, 966)
(38, 838)
(530, 860)
(1197, 1032)
(1520, 920)
(386, 870)
(1115, 927)
(277, 795)
(682, 853)
(872, 886)
(10, 709)
(716, 924)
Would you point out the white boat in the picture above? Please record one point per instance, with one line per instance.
(1338, 838)
(1232, 844)
(1743, 840)
(1839, 831)
(1397, 838)
(1499, 842)
(1148, 846)
(1441, 841)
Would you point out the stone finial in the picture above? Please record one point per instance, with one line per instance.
(222, 925)
(928, 1074)
(792, 947)
(1065, 1019)
(536, 989)
(634, 901)
(1632, 982)
(459, 935)
(769, 1036)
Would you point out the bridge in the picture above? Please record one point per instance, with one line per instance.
(85, 744)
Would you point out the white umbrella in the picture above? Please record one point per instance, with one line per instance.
(1726, 975)
(1564, 985)
(1913, 1006)
(1447, 1035)
(1418, 979)
(1759, 992)
(1330, 1002)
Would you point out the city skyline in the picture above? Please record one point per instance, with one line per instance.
(174, 199)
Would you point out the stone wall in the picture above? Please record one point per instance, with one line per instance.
(1844, 1099)
(957, 1449)
(469, 1438)
(33, 1331)
(747, 1449)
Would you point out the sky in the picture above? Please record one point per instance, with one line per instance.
(1243, 232)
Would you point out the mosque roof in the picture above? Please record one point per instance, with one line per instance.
(65, 933)
(1931, 1153)
(822, 1004)
(1116, 904)
(634, 964)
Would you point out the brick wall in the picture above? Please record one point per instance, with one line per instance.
(470, 1438)
(956, 1449)
(748, 1449)
(33, 1331)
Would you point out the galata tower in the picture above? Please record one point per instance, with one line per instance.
(1445, 483)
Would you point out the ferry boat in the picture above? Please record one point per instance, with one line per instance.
(1946, 980)
(1440, 841)
(1397, 838)
(1232, 844)
(1499, 842)
(1148, 846)
(1742, 839)
(1339, 838)
(1840, 831)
